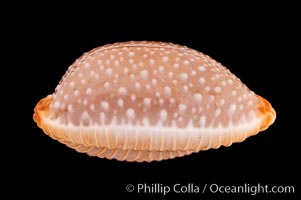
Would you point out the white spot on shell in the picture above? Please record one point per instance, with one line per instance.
(86, 65)
(222, 102)
(161, 69)
(182, 107)
(231, 109)
(122, 90)
(217, 112)
(70, 108)
(116, 62)
(201, 68)
(126, 70)
(112, 57)
(185, 88)
(167, 90)
(184, 76)
(161, 101)
(163, 115)
(172, 100)
(137, 86)
(144, 74)
(132, 77)
(165, 59)
(217, 76)
(207, 88)
(154, 81)
(186, 62)
(131, 61)
(201, 80)
(88, 91)
(105, 105)
(102, 117)
(233, 93)
(85, 115)
(131, 53)
(109, 71)
(101, 67)
(56, 105)
(147, 101)
(92, 107)
(217, 89)
(72, 84)
(120, 102)
(152, 61)
(133, 97)
(176, 65)
(202, 121)
(145, 121)
(175, 115)
(106, 85)
(92, 73)
(130, 113)
(66, 96)
(197, 97)
(76, 93)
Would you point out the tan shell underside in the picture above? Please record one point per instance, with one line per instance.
(100, 142)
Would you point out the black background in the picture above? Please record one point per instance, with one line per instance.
(256, 46)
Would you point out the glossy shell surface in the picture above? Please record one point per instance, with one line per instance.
(146, 101)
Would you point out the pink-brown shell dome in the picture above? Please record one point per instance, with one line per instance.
(145, 101)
